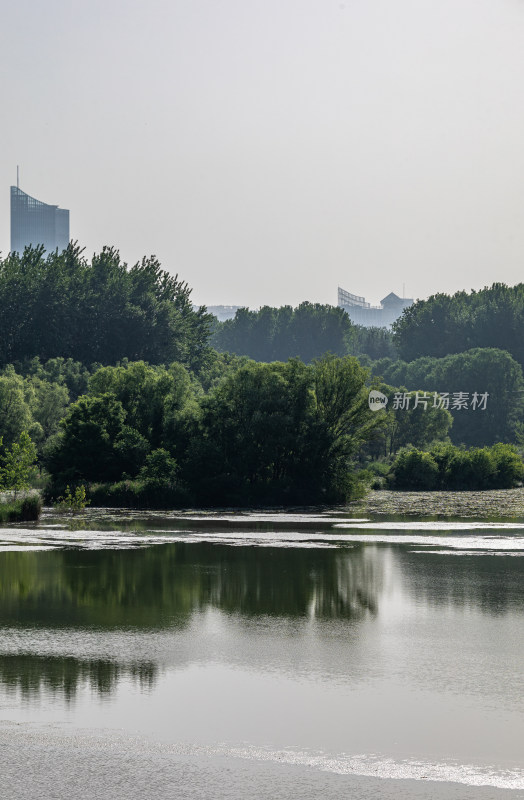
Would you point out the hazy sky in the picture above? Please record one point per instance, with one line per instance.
(270, 150)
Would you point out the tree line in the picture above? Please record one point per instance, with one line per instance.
(238, 432)
(97, 310)
(307, 332)
(266, 433)
(122, 384)
(488, 371)
(445, 324)
(444, 466)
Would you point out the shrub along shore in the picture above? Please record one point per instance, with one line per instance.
(447, 467)
(21, 509)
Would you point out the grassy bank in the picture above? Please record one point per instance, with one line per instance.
(20, 509)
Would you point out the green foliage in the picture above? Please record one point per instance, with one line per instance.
(417, 425)
(281, 433)
(72, 502)
(146, 394)
(251, 434)
(343, 421)
(18, 463)
(217, 367)
(131, 449)
(88, 445)
(69, 374)
(306, 332)
(59, 305)
(15, 410)
(21, 509)
(48, 403)
(139, 494)
(444, 324)
(510, 469)
(264, 433)
(160, 469)
(448, 467)
(373, 342)
(277, 334)
(479, 370)
(415, 469)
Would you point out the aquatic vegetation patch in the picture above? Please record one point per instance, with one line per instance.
(489, 504)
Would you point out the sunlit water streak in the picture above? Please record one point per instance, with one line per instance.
(365, 765)
(16, 539)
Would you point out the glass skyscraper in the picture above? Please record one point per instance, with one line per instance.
(34, 222)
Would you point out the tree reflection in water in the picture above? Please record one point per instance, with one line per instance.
(159, 588)
(33, 674)
(83, 592)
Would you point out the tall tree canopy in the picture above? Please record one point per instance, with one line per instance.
(62, 305)
(444, 324)
(276, 334)
(265, 433)
(482, 370)
(307, 332)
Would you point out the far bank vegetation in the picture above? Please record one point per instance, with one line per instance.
(162, 406)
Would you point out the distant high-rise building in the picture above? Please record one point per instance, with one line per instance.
(34, 222)
(362, 313)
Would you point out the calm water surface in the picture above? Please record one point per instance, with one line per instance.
(269, 655)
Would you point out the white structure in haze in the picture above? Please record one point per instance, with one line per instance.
(362, 313)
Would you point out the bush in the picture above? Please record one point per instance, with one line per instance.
(160, 470)
(138, 494)
(510, 469)
(415, 469)
(71, 502)
(23, 509)
(449, 467)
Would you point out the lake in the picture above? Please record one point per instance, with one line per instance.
(238, 655)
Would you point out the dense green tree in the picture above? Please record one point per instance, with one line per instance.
(73, 375)
(276, 334)
(131, 450)
(342, 420)
(444, 324)
(445, 466)
(15, 409)
(415, 422)
(48, 403)
(482, 370)
(143, 391)
(60, 305)
(159, 402)
(375, 343)
(217, 367)
(88, 447)
(252, 433)
(415, 469)
(160, 469)
(18, 462)
(281, 432)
